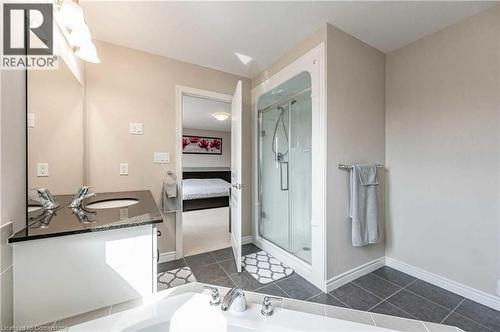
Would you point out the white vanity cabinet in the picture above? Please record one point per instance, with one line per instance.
(63, 276)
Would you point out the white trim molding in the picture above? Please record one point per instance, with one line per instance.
(167, 257)
(352, 274)
(181, 91)
(313, 62)
(246, 239)
(476, 295)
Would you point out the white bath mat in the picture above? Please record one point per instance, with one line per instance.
(175, 277)
(264, 267)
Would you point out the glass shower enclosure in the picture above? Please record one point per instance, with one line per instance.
(284, 174)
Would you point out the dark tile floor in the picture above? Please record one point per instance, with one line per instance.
(385, 291)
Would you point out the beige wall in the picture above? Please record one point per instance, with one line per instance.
(12, 178)
(443, 150)
(133, 86)
(207, 160)
(356, 133)
(56, 99)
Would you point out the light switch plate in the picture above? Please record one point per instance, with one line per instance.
(31, 120)
(42, 169)
(161, 157)
(123, 168)
(135, 128)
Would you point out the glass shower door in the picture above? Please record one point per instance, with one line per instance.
(273, 179)
(285, 168)
(300, 176)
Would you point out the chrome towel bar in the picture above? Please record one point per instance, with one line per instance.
(344, 166)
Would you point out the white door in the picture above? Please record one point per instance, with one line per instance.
(236, 185)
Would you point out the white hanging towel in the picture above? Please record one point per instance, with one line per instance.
(171, 199)
(170, 184)
(363, 205)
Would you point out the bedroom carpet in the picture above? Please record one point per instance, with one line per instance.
(205, 230)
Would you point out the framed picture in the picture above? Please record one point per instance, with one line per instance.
(201, 145)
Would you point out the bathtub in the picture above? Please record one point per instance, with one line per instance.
(191, 311)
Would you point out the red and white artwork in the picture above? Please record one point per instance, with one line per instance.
(201, 145)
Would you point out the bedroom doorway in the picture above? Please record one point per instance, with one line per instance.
(205, 172)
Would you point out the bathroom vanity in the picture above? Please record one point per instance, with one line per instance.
(81, 252)
(75, 260)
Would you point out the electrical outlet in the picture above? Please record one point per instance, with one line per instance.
(161, 157)
(123, 168)
(31, 120)
(135, 128)
(42, 169)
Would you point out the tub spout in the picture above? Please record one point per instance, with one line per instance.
(236, 298)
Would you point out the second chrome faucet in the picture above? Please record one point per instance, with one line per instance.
(82, 194)
(236, 299)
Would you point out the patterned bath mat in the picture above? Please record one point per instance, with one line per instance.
(175, 277)
(264, 267)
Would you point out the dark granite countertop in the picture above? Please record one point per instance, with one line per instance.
(65, 221)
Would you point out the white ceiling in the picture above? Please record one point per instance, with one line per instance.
(197, 114)
(208, 33)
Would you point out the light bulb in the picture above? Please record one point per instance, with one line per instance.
(80, 36)
(221, 116)
(88, 53)
(70, 15)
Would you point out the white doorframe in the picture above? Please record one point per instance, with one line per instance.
(314, 63)
(181, 91)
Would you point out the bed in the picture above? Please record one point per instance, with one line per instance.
(205, 189)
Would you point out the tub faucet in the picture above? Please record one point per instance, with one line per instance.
(235, 296)
(215, 299)
(44, 197)
(267, 306)
(82, 193)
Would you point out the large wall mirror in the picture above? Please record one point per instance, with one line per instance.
(55, 123)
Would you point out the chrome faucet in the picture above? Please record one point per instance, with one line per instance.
(82, 194)
(235, 297)
(44, 197)
(215, 299)
(267, 306)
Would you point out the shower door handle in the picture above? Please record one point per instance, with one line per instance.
(284, 176)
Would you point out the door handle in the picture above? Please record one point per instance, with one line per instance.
(284, 176)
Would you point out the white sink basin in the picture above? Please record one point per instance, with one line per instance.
(112, 203)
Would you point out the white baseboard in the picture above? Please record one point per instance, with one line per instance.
(167, 257)
(246, 239)
(479, 296)
(353, 274)
(170, 256)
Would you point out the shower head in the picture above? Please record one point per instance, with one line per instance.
(279, 156)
